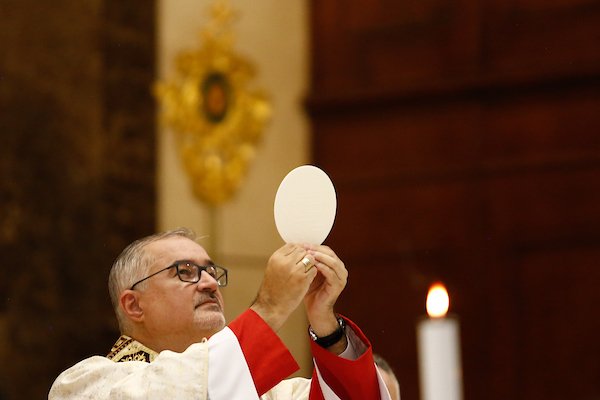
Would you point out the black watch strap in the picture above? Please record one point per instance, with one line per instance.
(331, 339)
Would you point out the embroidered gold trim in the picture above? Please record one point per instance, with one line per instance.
(129, 349)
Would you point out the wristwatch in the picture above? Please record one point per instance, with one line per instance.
(331, 339)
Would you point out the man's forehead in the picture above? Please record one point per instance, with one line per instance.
(176, 248)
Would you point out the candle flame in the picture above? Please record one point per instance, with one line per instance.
(437, 301)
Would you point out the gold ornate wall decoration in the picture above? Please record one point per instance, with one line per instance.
(217, 118)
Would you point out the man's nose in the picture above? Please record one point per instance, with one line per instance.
(207, 282)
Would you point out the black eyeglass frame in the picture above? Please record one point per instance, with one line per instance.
(200, 268)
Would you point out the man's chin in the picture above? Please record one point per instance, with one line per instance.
(212, 321)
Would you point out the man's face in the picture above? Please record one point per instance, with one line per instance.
(180, 312)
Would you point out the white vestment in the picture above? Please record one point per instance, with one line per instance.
(245, 361)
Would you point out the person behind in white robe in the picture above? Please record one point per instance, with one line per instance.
(175, 343)
(388, 375)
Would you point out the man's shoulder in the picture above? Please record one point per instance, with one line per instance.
(90, 363)
(95, 365)
(85, 379)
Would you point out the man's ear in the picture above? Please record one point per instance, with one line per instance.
(130, 305)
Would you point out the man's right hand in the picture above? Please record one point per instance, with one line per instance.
(284, 285)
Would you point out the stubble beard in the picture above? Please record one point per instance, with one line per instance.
(210, 320)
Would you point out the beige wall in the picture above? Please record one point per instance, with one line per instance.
(273, 35)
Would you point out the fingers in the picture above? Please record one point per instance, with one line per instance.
(307, 262)
(291, 254)
(296, 254)
(289, 249)
(286, 281)
(329, 264)
(311, 273)
(326, 287)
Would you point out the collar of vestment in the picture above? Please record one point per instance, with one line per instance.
(129, 349)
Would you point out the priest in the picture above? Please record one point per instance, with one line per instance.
(175, 343)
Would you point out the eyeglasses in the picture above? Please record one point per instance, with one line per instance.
(188, 271)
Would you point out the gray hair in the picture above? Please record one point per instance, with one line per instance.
(132, 264)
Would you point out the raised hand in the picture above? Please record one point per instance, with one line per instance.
(325, 289)
(284, 285)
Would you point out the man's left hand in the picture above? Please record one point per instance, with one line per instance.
(324, 290)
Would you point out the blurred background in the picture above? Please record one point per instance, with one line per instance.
(463, 139)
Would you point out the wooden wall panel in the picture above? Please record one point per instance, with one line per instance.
(411, 218)
(551, 127)
(421, 47)
(557, 309)
(428, 43)
(404, 144)
(545, 206)
(531, 39)
(463, 142)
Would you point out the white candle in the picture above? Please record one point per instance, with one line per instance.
(439, 350)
